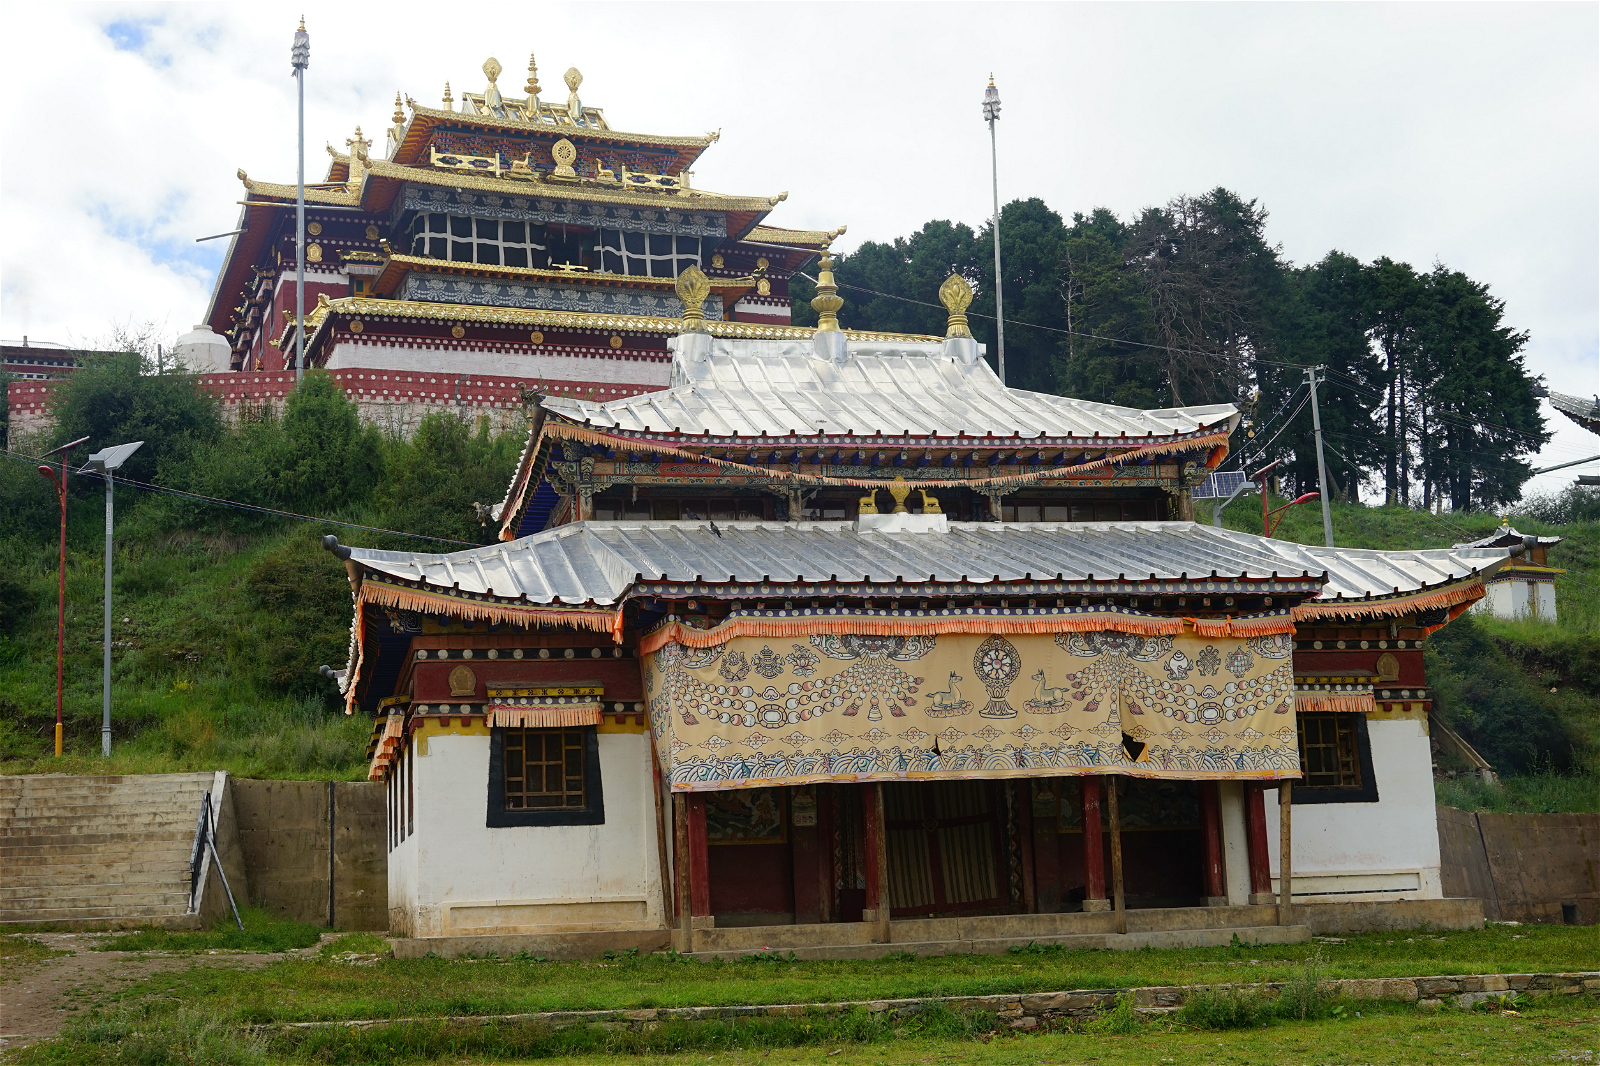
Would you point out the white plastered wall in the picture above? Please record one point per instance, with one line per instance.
(1369, 851)
(460, 878)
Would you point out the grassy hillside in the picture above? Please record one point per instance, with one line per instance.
(1525, 694)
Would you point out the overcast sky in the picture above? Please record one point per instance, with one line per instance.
(1463, 134)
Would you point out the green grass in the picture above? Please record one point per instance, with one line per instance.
(1545, 1028)
(19, 951)
(261, 932)
(320, 990)
(1532, 794)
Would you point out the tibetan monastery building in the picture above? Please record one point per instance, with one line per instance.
(498, 241)
(838, 645)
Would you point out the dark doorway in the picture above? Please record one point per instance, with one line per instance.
(947, 847)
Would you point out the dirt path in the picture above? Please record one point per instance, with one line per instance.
(37, 997)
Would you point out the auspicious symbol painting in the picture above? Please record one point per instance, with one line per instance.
(844, 706)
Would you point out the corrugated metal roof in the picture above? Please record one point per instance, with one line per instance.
(598, 561)
(1507, 537)
(749, 387)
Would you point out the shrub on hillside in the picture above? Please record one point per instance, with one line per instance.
(1479, 691)
(304, 601)
(434, 479)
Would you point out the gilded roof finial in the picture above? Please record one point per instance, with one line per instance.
(358, 145)
(532, 88)
(693, 289)
(827, 301)
(899, 490)
(491, 94)
(449, 101)
(956, 295)
(574, 106)
(399, 115)
(302, 28)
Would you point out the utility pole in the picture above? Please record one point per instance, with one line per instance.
(61, 594)
(991, 115)
(299, 60)
(107, 460)
(1322, 466)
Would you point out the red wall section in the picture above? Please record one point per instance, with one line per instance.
(619, 677)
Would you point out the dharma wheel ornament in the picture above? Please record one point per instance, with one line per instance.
(693, 289)
(956, 295)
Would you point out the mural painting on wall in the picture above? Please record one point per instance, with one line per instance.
(839, 707)
(745, 816)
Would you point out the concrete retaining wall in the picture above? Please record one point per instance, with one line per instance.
(1525, 867)
(287, 840)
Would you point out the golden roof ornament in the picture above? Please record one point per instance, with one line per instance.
(899, 490)
(449, 101)
(399, 115)
(491, 94)
(956, 295)
(693, 289)
(573, 78)
(827, 302)
(530, 110)
(564, 154)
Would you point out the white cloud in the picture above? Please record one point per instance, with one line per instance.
(1466, 134)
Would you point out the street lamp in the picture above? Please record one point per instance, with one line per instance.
(61, 596)
(991, 115)
(107, 461)
(299, 60)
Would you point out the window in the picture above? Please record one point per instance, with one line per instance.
(656, 255)
(544, 777)
(487, 241)
(1336, 759)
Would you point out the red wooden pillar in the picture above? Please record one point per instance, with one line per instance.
(1094, 855)
(1255, 820)
(877, 841)
(1211, 837)
(699, 870)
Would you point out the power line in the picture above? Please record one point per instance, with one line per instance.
(35, 459)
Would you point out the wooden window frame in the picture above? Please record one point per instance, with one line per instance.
(592, 813)
(1366, 792)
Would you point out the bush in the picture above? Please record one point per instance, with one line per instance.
(1226, 1008)
(1121, 1020)
(303, 598)
(1308, 995)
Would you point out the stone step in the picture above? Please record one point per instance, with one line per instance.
(117, 902)
(104, 793)
(99, 848)
(172, 851)
(34, 803)
(164, 881)
(1155, 939)
(93, 913)
(168, 864)
(118, 818)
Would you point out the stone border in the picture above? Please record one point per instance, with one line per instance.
(1028, 1010)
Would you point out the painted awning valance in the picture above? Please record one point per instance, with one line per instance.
(757, 710)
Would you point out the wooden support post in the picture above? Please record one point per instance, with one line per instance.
(1094, 856)
(1216, 889)
(1285, 867)
(669, 910)
(877, 834)
(1022, 796)
(1116, 856)
(1255, 823)
(699, 860)
(1047, 846)
(680, 869)
(830, 906)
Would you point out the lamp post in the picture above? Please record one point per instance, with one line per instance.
(61, 595)
(107, 461)
(299, 60)
(991, 115)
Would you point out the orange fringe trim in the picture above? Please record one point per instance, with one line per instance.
(1464, 593)
(892, 627)
(599, 619)
(1344, 703)
(1215, 441)
(546, 717)
(1215, 628)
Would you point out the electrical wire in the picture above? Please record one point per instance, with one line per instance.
(39, 460)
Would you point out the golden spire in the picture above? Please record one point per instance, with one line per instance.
(449, 101)
(532, 88)
(302, 24)
(399, 115)
(956, 295)
(693, 288)
(827, 301)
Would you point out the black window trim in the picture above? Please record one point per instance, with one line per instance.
(1367, 793)
(592, 814)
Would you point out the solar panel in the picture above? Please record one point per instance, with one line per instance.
(1219, 485)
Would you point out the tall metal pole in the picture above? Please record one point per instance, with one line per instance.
(105, 687)
(299, 59)
(1322, 465)
(991, 114)
(61, 592)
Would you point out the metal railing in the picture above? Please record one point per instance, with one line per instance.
(205, 836)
